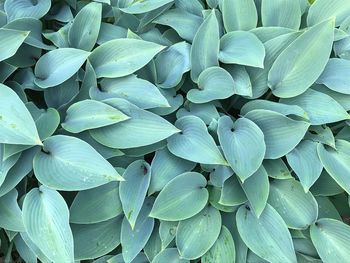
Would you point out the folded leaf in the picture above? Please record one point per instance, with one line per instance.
(239, 15)
(11, 40)
(232, 193)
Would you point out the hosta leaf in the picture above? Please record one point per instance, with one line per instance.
(11, 40)
(79, 117)
(239, 15)
(7, 163)
(57, 66)
(326, 186)
(46, 220)
(95, 240)
(170, 255)
(242, 48)
(297, 208)
(182, 198)
(232, 193)
(26, 8)
(143, 6)
(308, 53)
(277, 169)
(196, 235)
(142, 129)
(62, 166)
(133, 191)
(205, 46)
(281, 13)
(267, 236)
(96, 205)
(167, 232)
(11, 214)
(335, 75)
(305, 163)
(23, 250)
(331, 239)
(133, 240)
(268, 33)
(326, 209)
(154, 244)
(223, 249)
(320, 108)
(194, 143)
(336, 162)
(324, 9)
(121, 57)
(16, 124)
(86, 26)
(243, 144)
(281, 134)
(166, 166)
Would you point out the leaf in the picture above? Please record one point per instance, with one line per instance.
(86, 26)
(281, 134)
(324, 9)
(46, 220)
(267, 236)
(305, 163)
(282, 13)
(11, 214)
(96, 205)
(297, 208)
(23, 250)
(336, 161)
(79, 117)
(223, 249)
(243, 145)
(134, 240)
(142, 129)
(170, 255)
(242, 48)
(26, 8)
(326, 186)
(62, 166)
(144, 6)
(196, 235)
(194, 143)
(16, 124)
(57, 66)
(6, 163)
(335, 75)
(165, 167)
(308, 53)
(205, 46)
(239, 15)
(133, 191)
(242, 84)
(331, 240)
(122, 57)
(167, 232)
(95, 240)
(277, 169)
(11, 40)
(232, 193)
(320, 108)
(182, 198)
(213, 83)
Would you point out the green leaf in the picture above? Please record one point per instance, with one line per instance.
(11, 40)
(95, 240)
(282, 13)
(242, 48)
(336, 162)
(122, 57)
(308, 53)
(205, 46)
(196, 235)
(324, 9)
(297, 208)
(96, 205)
(26, 8)
(239, 15)
(232, 193)
(16, 124)
(11, 214)
(277, 169)
(79, 117)
(243, 145)
(194, 143)
(6, 163)
(86, 26)
(144, 6)
(331, 239)
(142, 129)
(281, 133)
(267, 236)
(62, 158)
(57, 66)
(23, 250)
(46, 220)
(223, 249)
(182, 198)
(167, 232)
(170, 255)
(133, 191)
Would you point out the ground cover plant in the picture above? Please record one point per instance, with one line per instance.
(175, 131)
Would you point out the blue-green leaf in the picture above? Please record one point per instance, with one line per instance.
(26, 8)
(239, 15)
(11, 40)
(143, 6)
(11, 214)
(324, 9)
(232, 193)
(170, 255)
